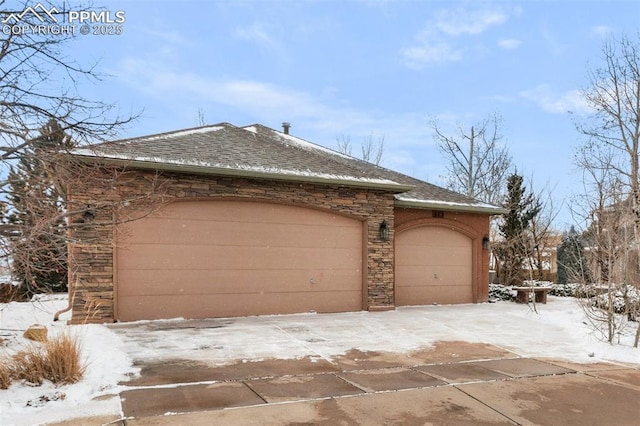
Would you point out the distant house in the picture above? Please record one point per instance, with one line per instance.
(610, 244)
(546, 255)
(541, 265)
(253, 221)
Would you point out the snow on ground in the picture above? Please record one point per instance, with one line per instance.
(556, 330)
(103, 353)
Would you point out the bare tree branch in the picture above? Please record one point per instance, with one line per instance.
(477, 162)
(610, 163)
(371, 148)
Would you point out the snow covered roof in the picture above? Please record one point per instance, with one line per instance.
(262, 152)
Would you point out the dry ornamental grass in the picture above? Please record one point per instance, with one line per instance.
(57, 360)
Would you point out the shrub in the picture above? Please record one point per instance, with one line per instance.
(624, 298)
(62, 360)
(567, 290)
(5, 373)
(11, 293)
(29, 365)
(500, 292)
(57, 360)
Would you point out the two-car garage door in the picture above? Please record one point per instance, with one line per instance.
(198, 259)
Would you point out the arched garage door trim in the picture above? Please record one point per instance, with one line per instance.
(445, 223)
(357, 236)
(467, 231)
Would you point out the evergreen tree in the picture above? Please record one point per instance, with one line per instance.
(37, 233)
(572, 262)
(516, 240)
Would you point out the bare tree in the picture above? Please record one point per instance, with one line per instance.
(477, 162)
(201, 119)
(371, 147)
(610, 157)
(39, 85)
(541, 234)
(38, 253)
(344, 144)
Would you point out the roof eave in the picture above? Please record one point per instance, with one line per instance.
(395, 188)
(430, 205)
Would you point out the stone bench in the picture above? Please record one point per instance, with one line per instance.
(540, 294)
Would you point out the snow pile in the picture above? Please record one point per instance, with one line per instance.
(103, 353)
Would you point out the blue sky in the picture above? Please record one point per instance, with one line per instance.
(355, 68)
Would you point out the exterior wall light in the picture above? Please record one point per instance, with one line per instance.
(485, 242)
(88, 214)
(384, 231)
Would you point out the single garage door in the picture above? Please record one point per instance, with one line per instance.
(433, 265)
(199, 259)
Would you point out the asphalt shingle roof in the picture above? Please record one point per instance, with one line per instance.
(259, 151)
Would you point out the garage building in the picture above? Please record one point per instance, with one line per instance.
(222, 221)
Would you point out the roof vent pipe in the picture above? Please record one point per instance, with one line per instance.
(285, 127)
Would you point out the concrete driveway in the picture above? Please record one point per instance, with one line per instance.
(303, 370)
(450, 383)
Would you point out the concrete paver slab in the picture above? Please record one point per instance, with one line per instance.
(359, 360)
(627, 377)
(390, 379)
(180, 399)
(455, 351)
(296, 388)
(583, 368)
(188, 371)
(461, 372)
(431, 406)
(439, 352)
(572, 399)
(96, 420)
(523, 367)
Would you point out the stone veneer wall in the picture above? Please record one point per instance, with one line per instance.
(91, 253)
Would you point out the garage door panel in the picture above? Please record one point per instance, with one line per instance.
(185, 231)
(239, 258)
(437, 258)
(237, 255)
(433, 265)
(437, 237)
(159, 307)
(447, 294)
(423, 275)
(236, 211)
(231, 281)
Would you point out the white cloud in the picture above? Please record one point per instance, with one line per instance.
(436, 42)
(269, 103)
(253, 97)
(462, 21)
(556, 103)
(417, 56)
(601, 31)
(509, 43)
(255, 33)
